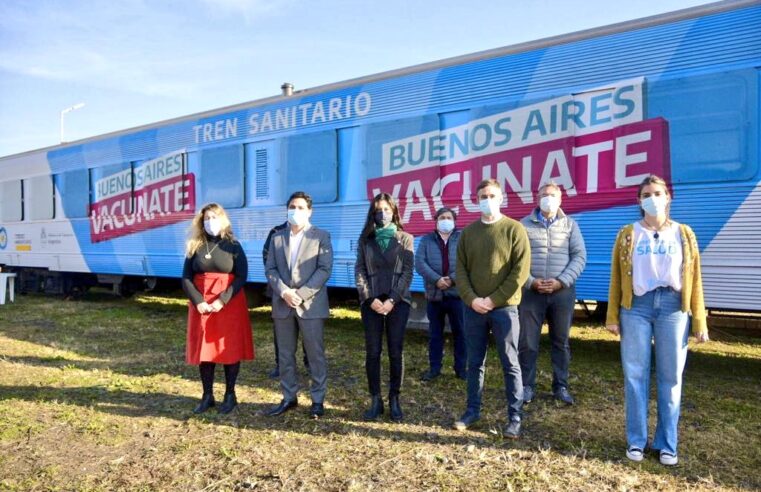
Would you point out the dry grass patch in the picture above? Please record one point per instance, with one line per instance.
(95, 395)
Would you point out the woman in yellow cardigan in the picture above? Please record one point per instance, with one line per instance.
(655, 285)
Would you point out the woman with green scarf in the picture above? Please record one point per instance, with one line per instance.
(383, 274)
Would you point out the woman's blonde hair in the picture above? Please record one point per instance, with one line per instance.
(196, 232)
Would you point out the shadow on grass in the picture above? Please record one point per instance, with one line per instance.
(143, 337)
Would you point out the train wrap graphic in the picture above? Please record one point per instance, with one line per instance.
(675, 95)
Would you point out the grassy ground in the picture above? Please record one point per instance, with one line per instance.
(95, 395)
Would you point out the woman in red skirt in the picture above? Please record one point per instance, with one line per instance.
(219, 330)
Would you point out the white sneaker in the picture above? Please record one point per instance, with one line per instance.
(668, 459)
(634, 453)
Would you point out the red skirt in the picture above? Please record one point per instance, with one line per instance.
(223, 337)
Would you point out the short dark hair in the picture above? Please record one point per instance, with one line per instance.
(299, 194)
(488, 182)
(444, 210)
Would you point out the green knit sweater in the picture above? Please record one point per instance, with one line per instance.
(493, 260)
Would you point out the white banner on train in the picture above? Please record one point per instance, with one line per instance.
(588, 112)
(149, 172)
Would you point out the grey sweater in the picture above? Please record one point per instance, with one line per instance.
(557, 251)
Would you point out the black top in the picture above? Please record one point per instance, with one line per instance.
(266, 247)
(226, 257)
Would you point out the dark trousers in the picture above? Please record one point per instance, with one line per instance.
(503, 322)
(437, 311)
(557, 308)
(287, 330)
(277, 351)
(394, 325)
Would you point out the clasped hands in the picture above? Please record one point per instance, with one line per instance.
(482, 305)
(208, 308)
(546, 285)
(292, 298)
(382, 307)
(444, 283)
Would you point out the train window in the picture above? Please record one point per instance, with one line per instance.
(74, 186)
(39, 200)
(111, 187)
(351, 168)
(11, 199)
(311, 165)
(262, 174)
(222, 175)
(710, 117)
(452, 119)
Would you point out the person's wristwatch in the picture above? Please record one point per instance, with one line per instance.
(390, 300)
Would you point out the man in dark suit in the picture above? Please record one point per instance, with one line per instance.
(299, 264)
(275, 372)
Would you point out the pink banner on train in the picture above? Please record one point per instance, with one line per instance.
(157, 204)
(596, 171)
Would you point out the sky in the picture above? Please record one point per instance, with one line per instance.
(135, 62)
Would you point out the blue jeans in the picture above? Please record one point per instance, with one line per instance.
(503, 322)
(557, 308)
(451, 307)
(657, 316)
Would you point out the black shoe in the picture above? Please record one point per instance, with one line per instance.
(317, 411)
(430, 375)
(207, 401)
(283, 407)
(468, 418)
(512, 430)
(228, 403)
(462, 375)
(376, 408)
(562, 394)
(396, 409)
(274, 373)
(528, 394)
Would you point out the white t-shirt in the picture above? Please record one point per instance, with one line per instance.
(656, 262)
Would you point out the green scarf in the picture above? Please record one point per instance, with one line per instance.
(383, 235)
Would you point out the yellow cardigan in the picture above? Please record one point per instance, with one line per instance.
(620, 291)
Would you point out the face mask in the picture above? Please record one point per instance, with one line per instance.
(297, 217)
(549, 204)
(654, 205)
(445, 226)
(382, 219)
(212, 227)
(489, 207)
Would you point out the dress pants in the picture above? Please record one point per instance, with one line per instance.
(557, 308)
(287, 330)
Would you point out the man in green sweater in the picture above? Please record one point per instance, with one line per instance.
(493, 260)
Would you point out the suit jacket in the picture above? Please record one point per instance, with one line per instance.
(312, 269)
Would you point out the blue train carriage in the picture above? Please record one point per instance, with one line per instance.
(675, 94)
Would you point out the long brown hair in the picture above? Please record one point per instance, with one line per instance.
(197, 234)
(655, 180)
(368, 230)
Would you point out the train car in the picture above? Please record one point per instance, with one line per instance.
(675, 95)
